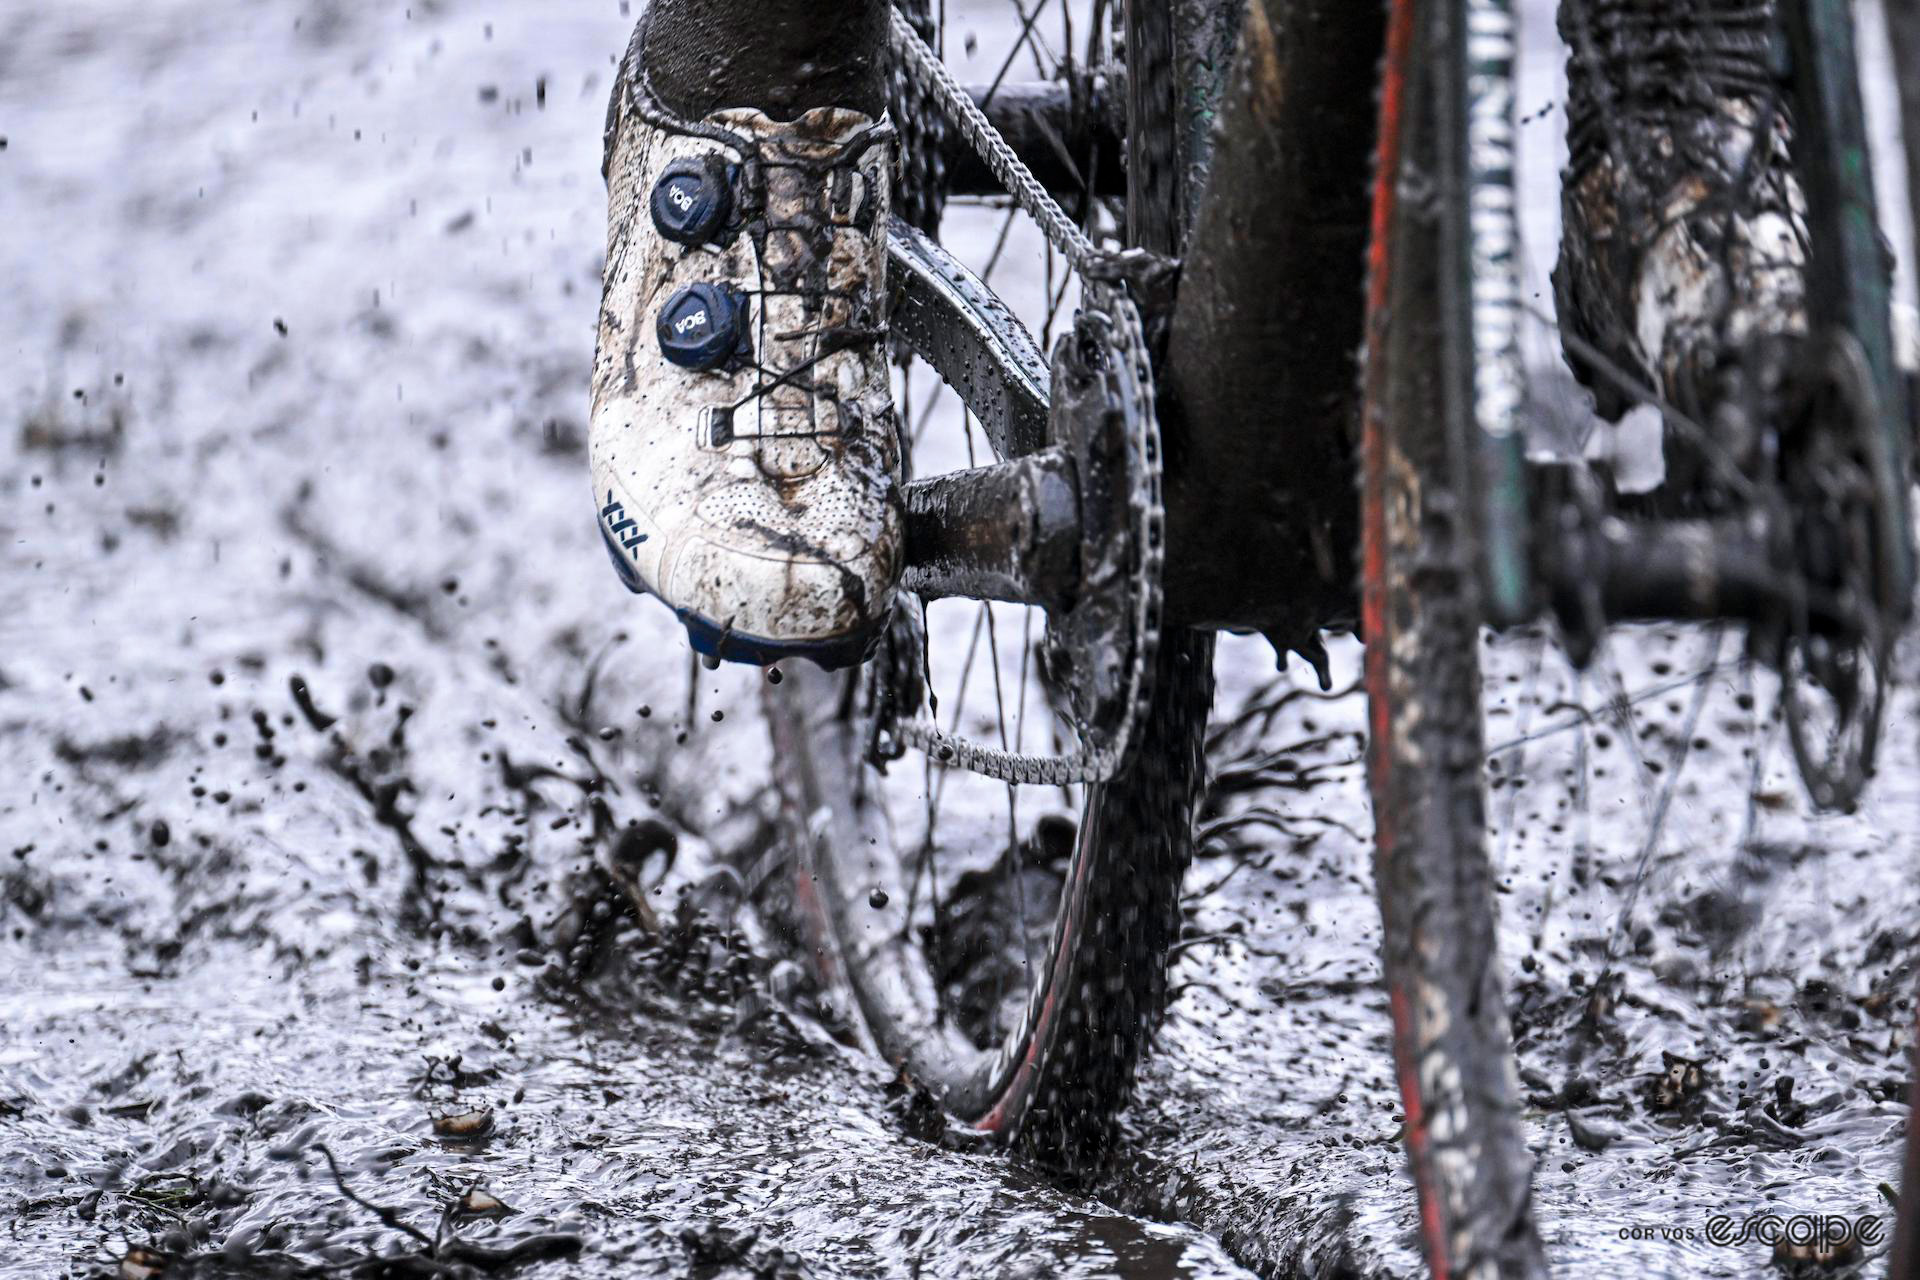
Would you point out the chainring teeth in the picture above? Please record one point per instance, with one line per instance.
(1134, 594)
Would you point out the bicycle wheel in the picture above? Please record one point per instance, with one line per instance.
(1005, 947)
(1419, 608)
(1755, 478)
(1903, 30)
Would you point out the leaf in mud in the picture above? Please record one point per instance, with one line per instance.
(1679, 1083)
(1816, 1257)
(464, 1125)
(1756, 1015)
(142, 1264)
(481, 1203)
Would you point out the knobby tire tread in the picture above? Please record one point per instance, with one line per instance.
(1138, 830)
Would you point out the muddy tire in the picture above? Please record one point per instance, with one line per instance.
(1054, 1086)
(1421, 617)
(1050, 1079)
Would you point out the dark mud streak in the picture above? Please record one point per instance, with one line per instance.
(127, 751)
(359, 573)
(382, 790)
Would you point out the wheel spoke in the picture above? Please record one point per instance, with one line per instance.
(1585, 715)
(935, 784)
(1027, 39)
(1012, 858)
(1762, 742)
(1583, 813)
(1657, 817)
(1536, 656)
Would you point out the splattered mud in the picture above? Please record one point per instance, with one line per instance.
(320, 710)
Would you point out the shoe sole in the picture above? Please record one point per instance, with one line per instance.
(713, 640)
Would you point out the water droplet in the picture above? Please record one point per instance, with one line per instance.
(877, 899)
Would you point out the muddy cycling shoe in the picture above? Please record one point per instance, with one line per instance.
(746, 459)
(1683, 236)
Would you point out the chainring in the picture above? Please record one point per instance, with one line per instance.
(1101, 410)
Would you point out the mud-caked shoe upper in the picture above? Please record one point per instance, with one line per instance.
(746, 458)
(1684, 240)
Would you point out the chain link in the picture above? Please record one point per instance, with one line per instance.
(992, 148)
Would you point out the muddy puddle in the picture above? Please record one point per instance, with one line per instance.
(318, 704)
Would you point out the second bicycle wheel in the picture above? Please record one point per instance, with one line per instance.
(1005, 947)
(1421, 621)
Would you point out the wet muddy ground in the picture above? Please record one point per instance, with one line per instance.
(318, 703)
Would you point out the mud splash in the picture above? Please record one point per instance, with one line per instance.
(1732, 1043)
(342, 780)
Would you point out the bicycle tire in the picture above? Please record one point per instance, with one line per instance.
(1420, 607)
(1054, 1086)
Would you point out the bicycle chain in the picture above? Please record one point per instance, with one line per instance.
(1131, 379)
(992, 148)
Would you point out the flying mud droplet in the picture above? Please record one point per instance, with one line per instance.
(303, 698)
(877, 899)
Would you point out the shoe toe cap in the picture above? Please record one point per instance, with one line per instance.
(779, 596)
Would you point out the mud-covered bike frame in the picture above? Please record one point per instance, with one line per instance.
(1260, 526)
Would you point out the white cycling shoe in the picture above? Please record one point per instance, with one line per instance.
(746, 460)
